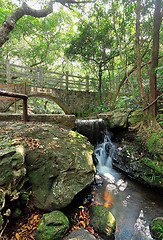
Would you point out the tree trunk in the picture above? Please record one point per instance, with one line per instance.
(100, 82)
(154, 61)
(138, 61)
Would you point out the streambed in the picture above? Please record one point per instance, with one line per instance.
(132, 204)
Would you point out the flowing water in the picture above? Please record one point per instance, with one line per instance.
(132, 204)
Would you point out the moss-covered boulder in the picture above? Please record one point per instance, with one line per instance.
(156, 228)
(52, 226)
(55, 163)
(60, 168)
(130, 160)
(117, 118)
(103, 221)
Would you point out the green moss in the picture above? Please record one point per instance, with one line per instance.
(156, 228)
(152, 172)
(103, 220)
(155, 165)
(52, 226)
(155, 142)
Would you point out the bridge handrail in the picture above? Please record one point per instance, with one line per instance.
(12, 87)
(21, 96)
(40, 77)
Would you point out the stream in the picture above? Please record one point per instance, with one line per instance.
(132, 204)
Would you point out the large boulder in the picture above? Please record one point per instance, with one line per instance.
(52, 226)
(59, 168)
(56, 163)
(117, 118)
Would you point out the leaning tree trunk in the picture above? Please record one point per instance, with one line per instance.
(12, 19)
(154, 61)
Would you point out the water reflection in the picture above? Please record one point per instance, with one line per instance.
(132, 204)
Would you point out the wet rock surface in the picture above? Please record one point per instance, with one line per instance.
(103, 221)
(130, 160)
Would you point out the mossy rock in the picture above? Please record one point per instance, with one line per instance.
(154, 145)
(52, 226)
(156, 228)
(135, 117)
(103, 221)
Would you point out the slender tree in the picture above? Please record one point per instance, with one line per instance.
(154, 60)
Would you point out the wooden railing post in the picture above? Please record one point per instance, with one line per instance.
(79, 88)
(25, 113)
(87, 83)
(15, 98)
(8, 71)
(41, 76)
(67, 80)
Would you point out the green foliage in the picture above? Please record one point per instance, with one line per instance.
(125, 101)
(41, 105)
(88, 38)
(154, 140)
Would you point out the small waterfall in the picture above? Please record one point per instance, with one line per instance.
(104, 153)
(93, 129)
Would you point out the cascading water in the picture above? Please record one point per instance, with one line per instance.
(132, 204)
(104, 154)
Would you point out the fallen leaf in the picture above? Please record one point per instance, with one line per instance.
(87, 221)
(17, 236)
(83, 223)
(91, 230)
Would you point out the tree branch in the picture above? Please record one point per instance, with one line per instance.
(152, 102)
(12, 19)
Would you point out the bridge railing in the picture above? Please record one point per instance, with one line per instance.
(39, 77)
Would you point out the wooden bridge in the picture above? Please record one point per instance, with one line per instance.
(72, 93)
(11, 73)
